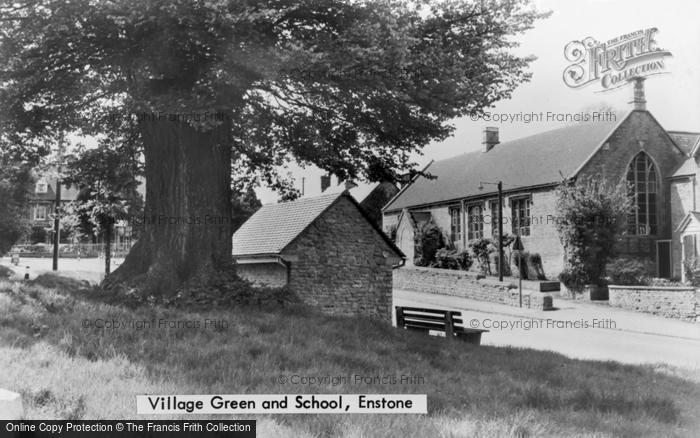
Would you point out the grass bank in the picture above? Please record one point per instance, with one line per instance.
(67, 368)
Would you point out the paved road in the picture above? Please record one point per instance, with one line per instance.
(577, 330)
(91, 269)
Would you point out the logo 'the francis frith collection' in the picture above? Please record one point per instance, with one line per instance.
(614, 62)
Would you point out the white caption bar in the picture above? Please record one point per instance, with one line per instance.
(283, 404)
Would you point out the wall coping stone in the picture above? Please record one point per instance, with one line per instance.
(666, 288)
(481, 278)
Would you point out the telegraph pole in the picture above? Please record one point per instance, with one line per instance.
(500, 231)
(57, 207)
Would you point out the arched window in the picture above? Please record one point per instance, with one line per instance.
(644, 187)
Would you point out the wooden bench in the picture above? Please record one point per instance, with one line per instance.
(437, 320)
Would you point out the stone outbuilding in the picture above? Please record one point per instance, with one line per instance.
(325, 249)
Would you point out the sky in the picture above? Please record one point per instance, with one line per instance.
(673, 97)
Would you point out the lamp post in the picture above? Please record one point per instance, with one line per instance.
(499, 245)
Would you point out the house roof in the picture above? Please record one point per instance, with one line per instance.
(688, 167)
(687, 141)
(68, 193)
(539, 159)
(693, 217)
(274, 226)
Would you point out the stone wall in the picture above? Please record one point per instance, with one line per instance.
(466, 285)
(342, 265)
(670, 302)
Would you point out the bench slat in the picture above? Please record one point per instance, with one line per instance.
(429, 318)
(434, 311)
(437, 320)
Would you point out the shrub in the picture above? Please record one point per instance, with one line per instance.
(428, 240)
(628, 271)
(6, 272)
(452, 259)
(530, 265)
(664, 282)
(692, 273)
(574, 278)
(481, 248)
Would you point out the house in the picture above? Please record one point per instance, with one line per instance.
(325, 249)
(462, 200)
(684, 203)
(42, 206)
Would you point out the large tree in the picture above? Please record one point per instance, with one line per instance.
(349, 86)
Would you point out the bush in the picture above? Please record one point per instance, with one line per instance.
(530, 265)
(452, 259)
(664, 282)
(574, 278)
(591, 217)
(6, 272)
(482, 248)
(428, 240)
(692, 273)
(628, 271)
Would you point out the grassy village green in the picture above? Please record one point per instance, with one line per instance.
(66, 368)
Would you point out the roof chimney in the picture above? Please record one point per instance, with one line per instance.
(638, 99)
(325, 182)
(490, 138)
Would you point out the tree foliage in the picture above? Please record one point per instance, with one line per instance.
(591, 217)
(108, 184)
(16, 183)
(354, 87)
(245, 204)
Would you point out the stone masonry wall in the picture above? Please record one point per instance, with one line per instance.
(341, 265)
(464, 284)
(670, 302)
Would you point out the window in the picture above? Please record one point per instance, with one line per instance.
(42, 187)
(643, 183)
(456, 224)
(475, 216)
(40, 213)
(493, 206)
(520, 209)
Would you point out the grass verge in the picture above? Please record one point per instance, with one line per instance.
(65, 370)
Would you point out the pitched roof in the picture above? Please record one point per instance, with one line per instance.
(68, 193)
(687, 141)
(536, 160)
(692, 216)
(359, 192)
(274, 226)
(688, 167)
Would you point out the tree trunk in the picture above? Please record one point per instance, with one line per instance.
(186, 226)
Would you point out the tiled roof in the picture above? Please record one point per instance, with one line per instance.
(685, 140)
(688, 167)
(531, 161)
(274, 226)
(67, 193)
